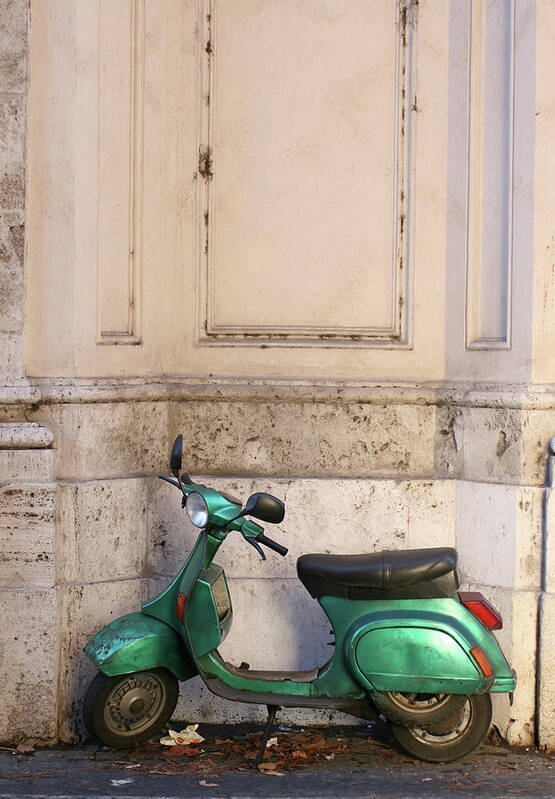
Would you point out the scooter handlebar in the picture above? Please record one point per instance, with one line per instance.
(267, 542)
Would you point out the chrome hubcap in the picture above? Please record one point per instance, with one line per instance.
(134, 704)
(440, 738)
(418, 702)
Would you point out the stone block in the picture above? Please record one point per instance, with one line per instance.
(13, 45)
(12, 153)
(84, 610)
(546, 721)
(499, 532)
(550, 543)
(448, 455)
(12, 356)
(102, 528)
(27, 535)
(493, 445)
(430, 508)
(27, 465)
(518, 642)
(538, 427)
(276, 625)
(104, 440)
(11, 272)
(480, 444)
(305, 439)
(28, 665)
(11, 296)
(334, 516)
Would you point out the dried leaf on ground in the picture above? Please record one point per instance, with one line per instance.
(267, 766)
(190, 751)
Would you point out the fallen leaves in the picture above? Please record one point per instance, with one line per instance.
(289, 750)
(271, 768)
(177, 750)
(267, 766)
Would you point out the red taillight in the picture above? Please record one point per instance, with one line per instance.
(481, 608)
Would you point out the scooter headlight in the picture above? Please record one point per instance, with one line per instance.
(197, 509)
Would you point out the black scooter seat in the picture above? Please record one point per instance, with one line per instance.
(412, 573)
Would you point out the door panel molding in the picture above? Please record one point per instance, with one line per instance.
(489, 169)
(395, 330)
(121, 35)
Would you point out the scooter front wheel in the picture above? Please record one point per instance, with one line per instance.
(126, 710)
(451, 739)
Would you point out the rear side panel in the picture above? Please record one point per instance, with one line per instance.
(415, 645)
(416, 659)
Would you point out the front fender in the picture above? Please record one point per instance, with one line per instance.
(137, 642)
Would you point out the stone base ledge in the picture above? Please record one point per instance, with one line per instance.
(19, 395)
(25, 435)
(52, 391)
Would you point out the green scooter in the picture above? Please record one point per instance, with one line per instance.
(408, 645)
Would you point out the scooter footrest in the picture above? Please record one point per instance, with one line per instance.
(272, 676)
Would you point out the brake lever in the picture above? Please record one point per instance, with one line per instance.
(257, 546)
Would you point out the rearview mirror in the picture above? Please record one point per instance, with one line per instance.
(265, 507)
(176, 456)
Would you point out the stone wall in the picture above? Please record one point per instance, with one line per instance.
(88, 532)
(360, 474)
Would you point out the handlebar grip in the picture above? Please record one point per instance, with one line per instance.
(262, 539)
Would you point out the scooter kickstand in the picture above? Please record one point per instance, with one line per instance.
(272, 710)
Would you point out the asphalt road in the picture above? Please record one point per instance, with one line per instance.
(333, 762)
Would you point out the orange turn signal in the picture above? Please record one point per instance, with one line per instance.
(180, 606)
(482, 661)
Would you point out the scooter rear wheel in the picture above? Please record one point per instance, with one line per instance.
(415, 709)
(127, 710)
(468, 729)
